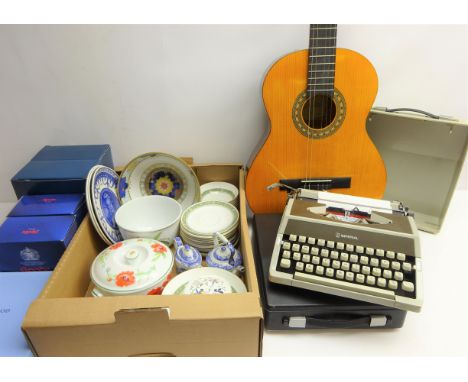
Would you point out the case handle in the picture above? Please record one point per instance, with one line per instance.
(426, 113)
(340, 321)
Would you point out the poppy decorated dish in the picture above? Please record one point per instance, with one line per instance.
(129, 267)
(159, 174)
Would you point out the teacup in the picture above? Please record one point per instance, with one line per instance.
(154, 217)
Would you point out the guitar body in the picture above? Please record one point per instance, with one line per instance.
(288, 154)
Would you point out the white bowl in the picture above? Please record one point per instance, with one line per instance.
(154, 217)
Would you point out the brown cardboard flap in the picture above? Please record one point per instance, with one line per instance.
(102, 310)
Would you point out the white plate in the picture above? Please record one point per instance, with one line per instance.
(89, 204)
(205, 218)
(219, 191)
(105, 201)
(159, 174)
(205, 280)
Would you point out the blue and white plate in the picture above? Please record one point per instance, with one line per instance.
(106, 202)
(92, 214)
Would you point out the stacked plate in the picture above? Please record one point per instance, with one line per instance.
(103, 203)
(201, 220)
(221, 192)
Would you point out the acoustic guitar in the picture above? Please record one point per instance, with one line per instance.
(317, 101)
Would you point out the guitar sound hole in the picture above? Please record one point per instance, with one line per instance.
(319, 113)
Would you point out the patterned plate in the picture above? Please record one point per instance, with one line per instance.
(159, 174)
(89, 204)
(105, 201)
(205, 280)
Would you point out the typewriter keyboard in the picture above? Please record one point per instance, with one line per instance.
(379, 272)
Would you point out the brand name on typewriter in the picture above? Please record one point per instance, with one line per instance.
(342, 235)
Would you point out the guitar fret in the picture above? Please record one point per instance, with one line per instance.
(321, 65)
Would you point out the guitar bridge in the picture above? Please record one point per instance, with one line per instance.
(320, 184)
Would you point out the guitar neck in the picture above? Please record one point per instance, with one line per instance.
(322, 54)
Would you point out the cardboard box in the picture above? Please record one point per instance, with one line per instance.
(61, 322)
(34, 243)
(51, 205)
(60, 169)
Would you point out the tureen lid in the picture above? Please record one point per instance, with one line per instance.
(131, 265)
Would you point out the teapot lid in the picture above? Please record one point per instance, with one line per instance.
(132, 265)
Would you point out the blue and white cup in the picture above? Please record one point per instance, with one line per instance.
(186, 257)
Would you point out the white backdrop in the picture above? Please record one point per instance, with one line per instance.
(192, 90)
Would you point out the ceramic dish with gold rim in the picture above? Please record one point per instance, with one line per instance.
(159, 174)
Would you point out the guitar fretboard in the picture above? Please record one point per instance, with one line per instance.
(322, 51)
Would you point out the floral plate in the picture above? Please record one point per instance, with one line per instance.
(159, 174)
(205, 281)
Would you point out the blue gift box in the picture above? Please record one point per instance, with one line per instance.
(17, 291)
(60, 169)
(51, 205)
(34, 243)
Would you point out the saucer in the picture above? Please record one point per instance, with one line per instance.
(205, 281)
(105, 201)
(221, 192)
(159, 174)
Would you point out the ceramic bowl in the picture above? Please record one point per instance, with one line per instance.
(132, 267)
(153, 217)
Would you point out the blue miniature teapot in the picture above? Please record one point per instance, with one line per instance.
(224, 255)
(186, 257)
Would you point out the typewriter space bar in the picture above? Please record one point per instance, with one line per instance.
(342, 287)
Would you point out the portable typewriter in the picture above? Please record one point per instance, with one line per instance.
(354, 247)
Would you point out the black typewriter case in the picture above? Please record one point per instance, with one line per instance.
(291, 308)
